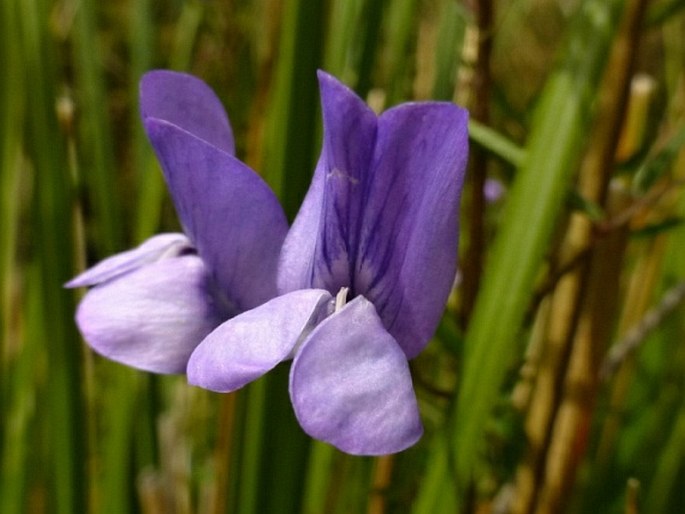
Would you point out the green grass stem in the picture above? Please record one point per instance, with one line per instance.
(51, 214)
(96, 149)
(292, 125)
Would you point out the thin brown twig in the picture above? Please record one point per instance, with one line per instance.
(601, 230)
(482, 83)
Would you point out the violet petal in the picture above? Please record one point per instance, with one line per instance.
(228, 211)
(245, 347)
(151, 318)
(153, 249)
(320, 246)
(381, 216)
(187, 102)
(350, 385)
(406, 260)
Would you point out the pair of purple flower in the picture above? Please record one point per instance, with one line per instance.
(354, 288)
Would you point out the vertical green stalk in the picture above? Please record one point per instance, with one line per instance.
(318, 481)
(437, 492)
(96, 143)
(450, 40)
(290, 142)
(17, 379)
(248, 490)
(185, 35)
(149, 183)
(400, 28)
(97, 160)
(369, 35)
(12, 107)
(668, 475)
(11, 117)
(353, 40)
(285, 448)
(355, 485)
(19, 412)
(52, 213)
(344, 17)
(118, 402)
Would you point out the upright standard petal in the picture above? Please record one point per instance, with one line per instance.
(320, 247)
(350, 385)
(407, 256)
(381, 216)
(151, 318)
(230, 214)
(153, 249)
(247, 346)
(187, 102)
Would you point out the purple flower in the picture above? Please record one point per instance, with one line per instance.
(379, 226)
(151, 306)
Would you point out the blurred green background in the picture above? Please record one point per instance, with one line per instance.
(555, 381)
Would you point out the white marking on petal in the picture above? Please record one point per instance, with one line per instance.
(337, 173)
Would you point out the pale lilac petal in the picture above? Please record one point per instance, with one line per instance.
(350, 385)
(228, 211)
(153, 249)
(297, 255)
(319, 249)
(151, 318)
(407, 254)
(188, 103)
(247, 346)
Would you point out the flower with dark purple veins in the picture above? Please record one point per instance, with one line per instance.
(151, 306)
(378, 227)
